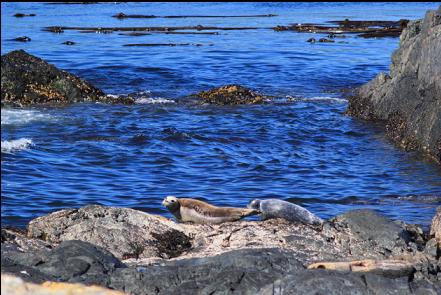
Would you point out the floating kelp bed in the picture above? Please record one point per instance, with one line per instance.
(23, 14)
(60, 29)
(173, 33)
(166, 44)
(366, 29)
(123, 16)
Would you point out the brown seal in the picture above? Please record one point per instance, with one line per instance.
(191, 210)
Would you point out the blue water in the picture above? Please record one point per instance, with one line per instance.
(303, 149)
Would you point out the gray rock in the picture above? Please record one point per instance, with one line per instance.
(374, 231)
(408, 99)
(126, 233)
(328, 282)
(240, 272)
(78, 261)
(71, 261)
(26, 80)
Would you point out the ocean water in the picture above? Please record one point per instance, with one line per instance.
(302, 149)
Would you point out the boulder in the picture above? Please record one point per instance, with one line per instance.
(27, 80)
(71, 261)
(241, 272)
(126, 233)
(230, 95)
(408, 99)
(79, 262)
(373, 231)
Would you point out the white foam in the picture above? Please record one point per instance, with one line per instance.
(10, 146)
(317, 98)
(16, 117)
(153, 100)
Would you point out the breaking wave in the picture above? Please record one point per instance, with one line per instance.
(10, 146)
(16, 117)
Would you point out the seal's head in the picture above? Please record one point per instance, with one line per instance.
(171, 203)
(254, 204)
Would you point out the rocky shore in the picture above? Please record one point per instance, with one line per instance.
(139, 253)
(408, 99)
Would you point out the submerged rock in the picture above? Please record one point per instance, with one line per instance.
(231, 95)
(26, 80)
(408, 99)
(22, 39)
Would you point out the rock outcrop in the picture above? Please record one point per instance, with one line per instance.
(27, 80)
(126, 233)
(408, 99)
(231, 95)
(137, 236)
(359, 251)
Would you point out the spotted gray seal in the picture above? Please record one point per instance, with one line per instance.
(191, 210)
(274, 208)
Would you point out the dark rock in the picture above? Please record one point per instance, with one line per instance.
(122, 16)
(328, 282)
(240, 272)
(23, 15)
(161, 44)
(54, 29)
(376, 231)
(390, 32)
(311, 40)
(22, 39)
(78, 261)
(26, 80)
(408, 99)
(231, 95)
(324, 40)
(145, 29)
(72, 261)
(366, 29)
(69, 43)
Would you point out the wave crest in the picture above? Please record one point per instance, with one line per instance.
(10, 146)
(15, 117)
